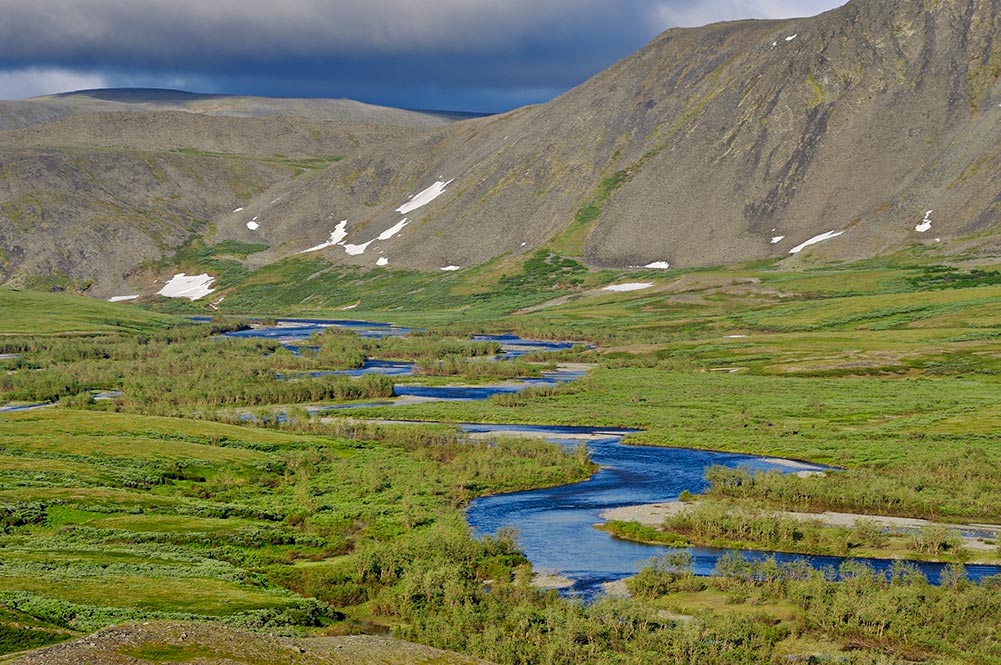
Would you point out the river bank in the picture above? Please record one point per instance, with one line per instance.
(973, 543)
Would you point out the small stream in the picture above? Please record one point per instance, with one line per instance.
(293, 333)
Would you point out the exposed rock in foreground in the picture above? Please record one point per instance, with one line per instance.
(212, 644)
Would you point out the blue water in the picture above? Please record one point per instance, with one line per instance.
(371, 366)
(485, 392)
(292, 331)
(11, 408)
(555, 525)
(514, 346)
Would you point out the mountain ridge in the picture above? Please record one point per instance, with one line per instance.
(645, 137)
(859, 132)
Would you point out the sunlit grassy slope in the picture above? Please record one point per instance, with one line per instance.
(41, 313)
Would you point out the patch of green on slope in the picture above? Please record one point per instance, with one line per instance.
(40, 313)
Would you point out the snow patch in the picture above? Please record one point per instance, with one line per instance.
(393, 230)
(252, 225)
(191, 287)
(451, 268)
(357, 250)
(275, 201)
(925, 224)
(425, 197)
(777, 239)
(631, 286)
(736, 336)
(350, 306)
(814, 240)
(336, 236)
(658, 265)
(383, 261)
(792, 37)
(238, 210)
(122, 298)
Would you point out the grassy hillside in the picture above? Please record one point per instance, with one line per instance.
(41, 313)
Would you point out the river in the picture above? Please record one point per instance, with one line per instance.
(556, 525)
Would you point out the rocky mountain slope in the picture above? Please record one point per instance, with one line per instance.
(864, 130)
(728, 143)
(116, 178)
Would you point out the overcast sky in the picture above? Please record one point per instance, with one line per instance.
(477, 55)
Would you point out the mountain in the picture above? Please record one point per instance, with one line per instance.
(15, 114)
(867, 129)
(95, 183)
(705, 146)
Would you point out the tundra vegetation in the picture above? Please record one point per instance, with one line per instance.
(164, 501)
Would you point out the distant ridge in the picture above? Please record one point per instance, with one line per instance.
(131, 95)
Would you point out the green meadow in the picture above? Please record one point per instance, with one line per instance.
(166, 502)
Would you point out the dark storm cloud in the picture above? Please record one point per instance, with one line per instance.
(482, 54)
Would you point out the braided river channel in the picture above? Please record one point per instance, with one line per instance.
(555, 525)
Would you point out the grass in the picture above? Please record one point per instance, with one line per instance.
(572, 240)
(39, 313)
(173, 653)
(888, 368)
(844, 421)
(200, 596)
(296, 165)
(123, 436)
(128, 517)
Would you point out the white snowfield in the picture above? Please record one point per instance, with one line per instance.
(191, 287)
(925, 224)
(340, 233)
(382, 261)
(393, 230)
(355, 250)
(814, 240)
(425, 197)
(336, 236)
(658, 265)
(451, 268)
(238, 210)
(631, 286)
(777, 239)
(253, 226)
(122, 298)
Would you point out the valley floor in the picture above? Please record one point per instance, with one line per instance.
(204, 488)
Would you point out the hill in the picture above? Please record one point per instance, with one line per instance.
(93, 184)
(734, 142)
(857, 133)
